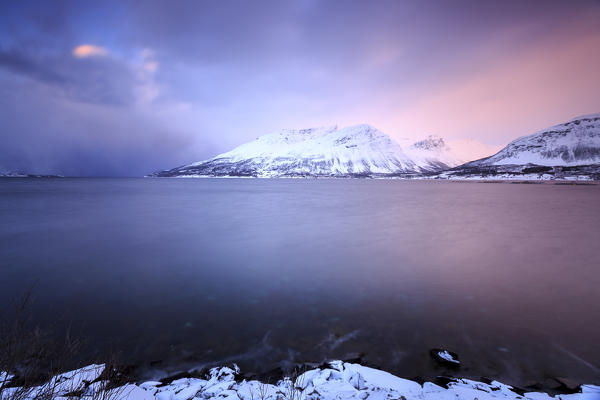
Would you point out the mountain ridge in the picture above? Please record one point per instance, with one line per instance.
(354, 151)
(576, 142)
(570, 149)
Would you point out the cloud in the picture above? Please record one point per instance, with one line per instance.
(94, 80)
(222, 73)
(20, 63)
(542, 86)
(89, 50)
(48, 134)
(146, 90)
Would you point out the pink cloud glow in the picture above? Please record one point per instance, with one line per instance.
(520, 94)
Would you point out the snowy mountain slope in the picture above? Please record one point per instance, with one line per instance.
(573, 143)
(359, 150)
(569, 151)
(433, 153)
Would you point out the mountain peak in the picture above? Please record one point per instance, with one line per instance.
(362, 127)
(432, 142)
(306, 131)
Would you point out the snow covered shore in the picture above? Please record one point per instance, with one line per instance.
(337, 380)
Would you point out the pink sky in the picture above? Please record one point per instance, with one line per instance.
(519, 95)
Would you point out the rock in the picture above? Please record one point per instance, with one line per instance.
(552, 384)
(273, 375)
(568, 384)
(443, 381)
(180, 375)
(446, 358)
(247, 376)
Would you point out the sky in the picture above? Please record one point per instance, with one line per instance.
(125, 88)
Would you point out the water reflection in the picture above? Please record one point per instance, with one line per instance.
(271, 271)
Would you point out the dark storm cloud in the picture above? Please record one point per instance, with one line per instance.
(94, 80)
(332, 32)
(46, 134)
(20, 64)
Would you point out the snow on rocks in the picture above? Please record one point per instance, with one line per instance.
(336, 381)
(63, 385)
(445, 357)
(345, 381)
(76, 380)
(5, 377)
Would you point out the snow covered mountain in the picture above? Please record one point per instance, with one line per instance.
(359, 150)
(576, 142)
(567, 150)
(433, 154)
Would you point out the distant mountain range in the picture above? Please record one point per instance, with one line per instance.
(571, 149)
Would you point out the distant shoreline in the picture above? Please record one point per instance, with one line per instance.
(515, 180)
(453, 179)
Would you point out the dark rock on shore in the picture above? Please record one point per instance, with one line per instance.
(446, 358)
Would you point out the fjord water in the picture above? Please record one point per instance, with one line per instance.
(180, 272)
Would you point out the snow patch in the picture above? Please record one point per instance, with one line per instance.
(447, 356)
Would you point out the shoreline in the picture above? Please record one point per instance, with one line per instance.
(329, 381)
(476, 179)
(584, 180)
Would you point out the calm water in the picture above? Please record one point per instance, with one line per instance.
(269, 272)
